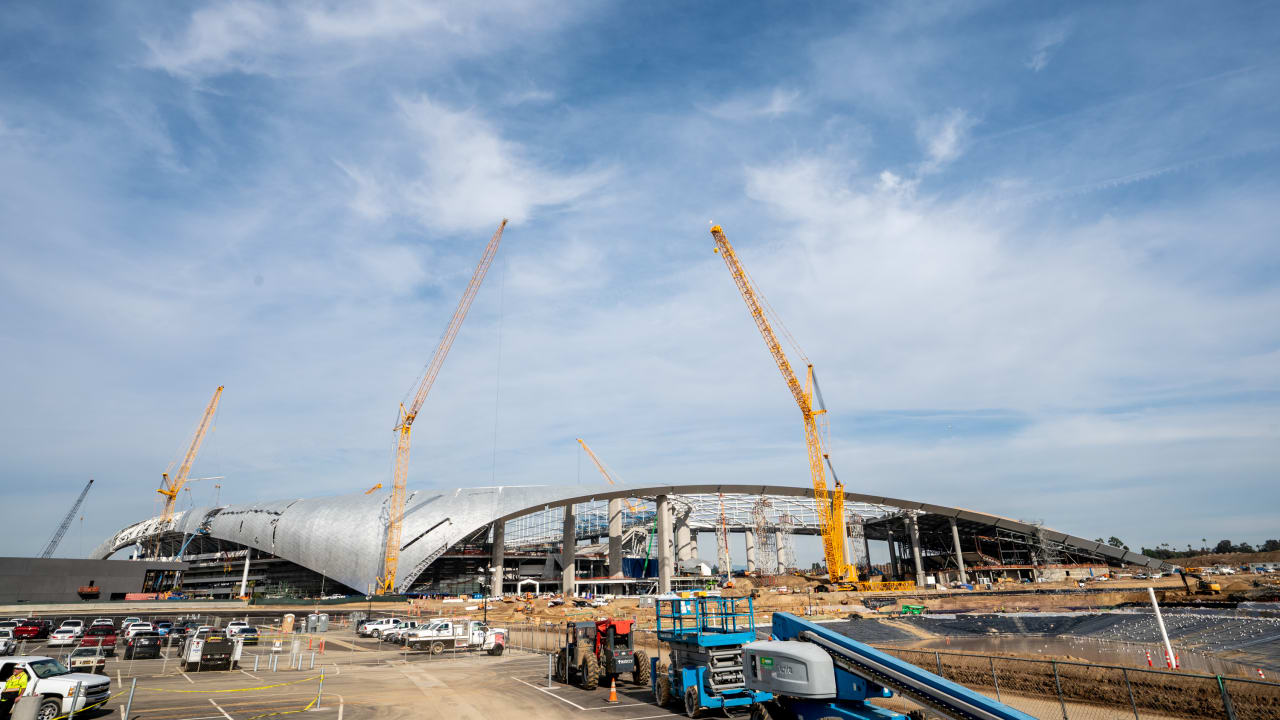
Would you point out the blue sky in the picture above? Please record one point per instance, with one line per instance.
(1031, 249)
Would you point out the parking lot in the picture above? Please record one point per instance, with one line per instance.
(354, 678)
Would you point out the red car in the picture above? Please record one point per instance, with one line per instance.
(32, 630)
(103, 636)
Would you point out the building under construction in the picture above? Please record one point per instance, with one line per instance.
(607, 539)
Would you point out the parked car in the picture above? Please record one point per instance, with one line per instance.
(32, 630)
(55, 684)
(249, 635)
(9, 624)
(8, 645)
(100, 636)
(125, 623)
(88, 659)
(77, 625)
(143, 645)
(164, 628)
(236, 626)
(375, 628)
(103, 621)
(63, 637)
(398, 633)
(138, 627)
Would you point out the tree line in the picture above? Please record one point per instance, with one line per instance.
(1165, 551)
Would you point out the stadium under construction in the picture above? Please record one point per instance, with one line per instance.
(608, 539)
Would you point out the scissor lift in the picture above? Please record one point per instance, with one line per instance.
(706, 635)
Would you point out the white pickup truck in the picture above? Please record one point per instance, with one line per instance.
(55, 685)
(441, 635)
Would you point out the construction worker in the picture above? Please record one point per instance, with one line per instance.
(14, 688)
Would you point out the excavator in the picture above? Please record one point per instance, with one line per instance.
(1203, 587)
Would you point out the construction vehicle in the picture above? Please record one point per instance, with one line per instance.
(58, 534)
(1203, 587)
(600, 651)
(170, 487)
(462, 634)
(830, 505)
(704, 668)
(810, 672)
(404, 422)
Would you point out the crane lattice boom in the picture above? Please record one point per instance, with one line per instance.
(830, 506)
(404, 422)
(170, 487)
(66, 523)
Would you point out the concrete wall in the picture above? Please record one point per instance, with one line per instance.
(57, 580)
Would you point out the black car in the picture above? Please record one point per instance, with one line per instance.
(143, 645)
(249, 635)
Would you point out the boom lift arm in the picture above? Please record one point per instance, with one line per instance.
(170, 487)
(404, 422)
(830, 506)
(815, 672)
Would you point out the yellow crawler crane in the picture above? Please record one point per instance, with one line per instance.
(170, 487)
(830, 506)
(404, 421)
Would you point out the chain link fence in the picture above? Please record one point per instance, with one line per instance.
(1058, 689)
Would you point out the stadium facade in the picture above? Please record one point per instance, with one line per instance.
(620, 539)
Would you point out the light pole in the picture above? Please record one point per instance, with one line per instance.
(484, 585)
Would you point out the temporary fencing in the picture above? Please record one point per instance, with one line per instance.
(1084, 691)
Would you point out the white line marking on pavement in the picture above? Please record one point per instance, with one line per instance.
(193, 682)
(340, 705)
(614, 707)
(119, 680)
(548, 693)
(246, 672)
(651, 717)
(224, 712)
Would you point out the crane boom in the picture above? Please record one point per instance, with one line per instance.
(170, 487)
(830, 506)
(66, 523)
(404, 422)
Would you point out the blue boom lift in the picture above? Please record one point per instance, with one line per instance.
(706, 635)
(810, 672)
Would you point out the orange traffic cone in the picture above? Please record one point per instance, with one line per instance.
(613, 690)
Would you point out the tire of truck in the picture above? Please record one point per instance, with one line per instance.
(590, 670)
(49, 709)
(692, 702)
(820, 589)
(437, 648)
(496, 650)
(640, 675)
(662, 694)
(562, 666)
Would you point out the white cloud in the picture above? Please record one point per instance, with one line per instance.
(943, 137)
(772, 104)
(465, 176)
(221, 38)
(1047, 41)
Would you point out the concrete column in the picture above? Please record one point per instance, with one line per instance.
(497, 558)
(244, 578)
(751, 549)
(866, 547)
(955, 545)
(894, 570)
(615, 538)
(685, 552)
(568, 580)
(914, 528)
(665, 546)
(777, 543)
